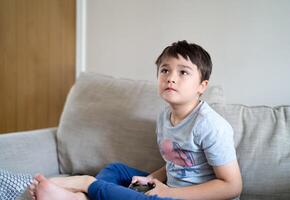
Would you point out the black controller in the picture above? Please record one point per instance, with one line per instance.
(141, 188)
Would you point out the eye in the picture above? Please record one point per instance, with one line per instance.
(183, 72)
(163, 71)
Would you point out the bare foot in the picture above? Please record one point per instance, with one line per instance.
(32, 188)
(44, 189)
(74, 183)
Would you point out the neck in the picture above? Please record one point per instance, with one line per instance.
(179, 112)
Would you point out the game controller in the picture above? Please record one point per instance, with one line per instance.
(141, 188)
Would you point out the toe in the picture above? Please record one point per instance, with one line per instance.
(39, 178)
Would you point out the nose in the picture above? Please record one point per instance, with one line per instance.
(171, 78)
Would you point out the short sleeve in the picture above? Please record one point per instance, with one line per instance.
(216, 140)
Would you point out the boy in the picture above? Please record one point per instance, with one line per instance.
(196, 143)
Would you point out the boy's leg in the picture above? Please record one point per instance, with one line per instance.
(110, 182)
(102, 190)
(119, 173)
(73, 183)
(44, 189)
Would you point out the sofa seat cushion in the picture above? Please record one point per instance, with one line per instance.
(108, 119)
(262, 138)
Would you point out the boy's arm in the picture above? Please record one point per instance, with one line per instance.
(159, 174)
(228, 184)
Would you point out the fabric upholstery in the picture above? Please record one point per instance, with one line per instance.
(30, 152)
(109, 119)
(262, 138)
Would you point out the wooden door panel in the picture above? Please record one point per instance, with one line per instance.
(37, 61)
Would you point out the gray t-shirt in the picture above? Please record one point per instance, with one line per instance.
(202, 140)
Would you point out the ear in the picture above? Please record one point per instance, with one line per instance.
(202, 87)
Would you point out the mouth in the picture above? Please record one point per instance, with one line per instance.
(170, 89)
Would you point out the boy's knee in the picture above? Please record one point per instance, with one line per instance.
(116, 165)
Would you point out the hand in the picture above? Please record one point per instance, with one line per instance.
(142, 180)
(160, 189)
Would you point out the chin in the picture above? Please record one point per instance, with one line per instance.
(172, 102)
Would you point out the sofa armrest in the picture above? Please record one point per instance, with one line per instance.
(30, 152)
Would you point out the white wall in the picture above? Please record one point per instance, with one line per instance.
(249, 41)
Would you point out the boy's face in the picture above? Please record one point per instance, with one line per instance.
(179, 81)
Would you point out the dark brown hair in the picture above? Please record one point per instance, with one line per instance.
(194, 52)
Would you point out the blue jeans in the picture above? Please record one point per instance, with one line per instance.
(112, 184)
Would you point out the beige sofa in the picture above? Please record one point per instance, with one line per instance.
(108, 119)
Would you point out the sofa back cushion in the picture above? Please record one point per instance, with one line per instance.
(262, 138)
(107, 119)
(29, 152)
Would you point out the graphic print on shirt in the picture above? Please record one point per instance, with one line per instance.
(172, 151)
